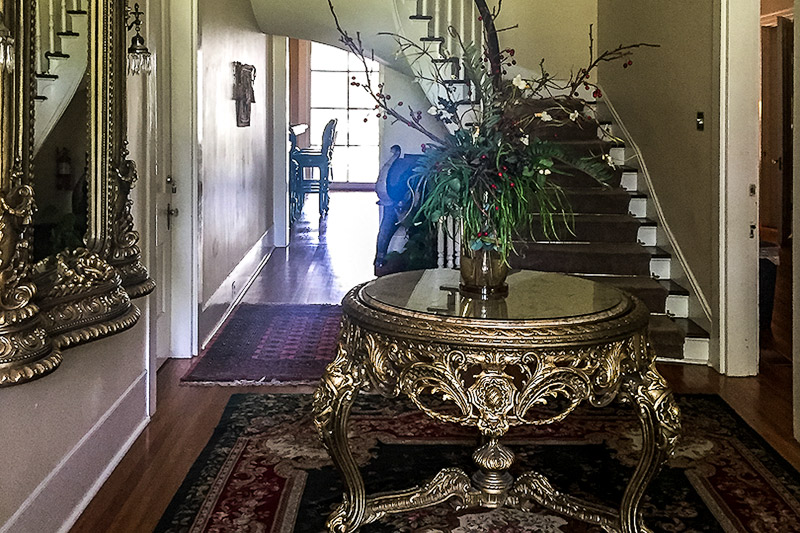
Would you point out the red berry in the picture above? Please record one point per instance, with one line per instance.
(480, 18)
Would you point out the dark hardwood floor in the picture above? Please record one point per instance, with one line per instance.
(319, 267)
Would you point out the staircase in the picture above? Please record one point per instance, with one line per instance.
(616, 239)
(61, 60)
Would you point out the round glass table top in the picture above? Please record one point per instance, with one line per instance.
(531, 296)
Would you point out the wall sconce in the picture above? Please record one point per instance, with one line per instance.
(139, 57)
(6, 48)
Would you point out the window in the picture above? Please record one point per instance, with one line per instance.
(356, 155)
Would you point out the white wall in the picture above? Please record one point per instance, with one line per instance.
(61, 434)
(404, 89)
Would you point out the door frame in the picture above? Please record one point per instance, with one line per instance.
(739, 46)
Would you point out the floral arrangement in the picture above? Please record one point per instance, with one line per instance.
(495, 170)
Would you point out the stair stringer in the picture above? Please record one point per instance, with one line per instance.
(696, 351)
(59, 91)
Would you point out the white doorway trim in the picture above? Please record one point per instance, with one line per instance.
(185, 245)
(738, 205)
(279, 125)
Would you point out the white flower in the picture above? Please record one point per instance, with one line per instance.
(574, 116)
(544, 116)
(609, 161)
(519, 83)
(433, 110)
(545, 172)
(475, 134)
(526, 140)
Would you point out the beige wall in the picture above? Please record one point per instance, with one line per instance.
(555, 31)
(658, 99)
(236, 199)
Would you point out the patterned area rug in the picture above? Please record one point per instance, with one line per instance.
(264, 471)
(270, 345)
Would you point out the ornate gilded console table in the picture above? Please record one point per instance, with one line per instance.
(529, 358)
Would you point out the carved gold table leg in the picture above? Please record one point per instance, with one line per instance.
(334, 398)
(659, 415)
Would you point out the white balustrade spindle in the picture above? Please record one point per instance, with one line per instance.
(51, 26)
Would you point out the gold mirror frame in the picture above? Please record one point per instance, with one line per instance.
(77, 295)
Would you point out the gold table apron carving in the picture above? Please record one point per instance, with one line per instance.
(530, 358)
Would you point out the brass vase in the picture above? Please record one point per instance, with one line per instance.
(483, 273)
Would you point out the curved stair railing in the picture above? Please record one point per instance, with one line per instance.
(61, 60)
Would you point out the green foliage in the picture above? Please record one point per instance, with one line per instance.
(492, 175)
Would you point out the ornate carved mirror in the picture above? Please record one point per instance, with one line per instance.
(80, 293)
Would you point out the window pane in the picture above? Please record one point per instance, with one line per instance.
(320, 117)
(339, 164)
(363, 133)
(324, 57)
(333, 92)
(359, 97)
(362, 164)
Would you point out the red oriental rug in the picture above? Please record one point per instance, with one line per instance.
(277, 344)
(265, 471)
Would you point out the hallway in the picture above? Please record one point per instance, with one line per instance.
(322, 263)
(327, 256)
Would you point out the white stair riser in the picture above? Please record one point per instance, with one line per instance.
(630, 181)
(660, 267)
(618, 156)
(696, 350)
(605, 131)
(638, 207)
(677, 306)
(647, 236)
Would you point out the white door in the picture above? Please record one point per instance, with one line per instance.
(163, 187)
